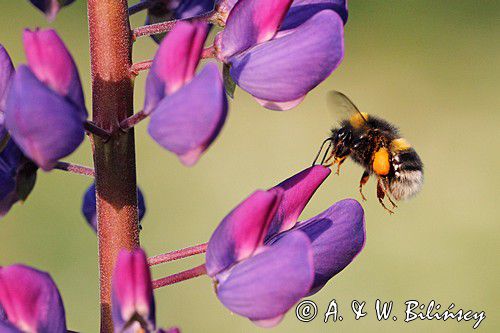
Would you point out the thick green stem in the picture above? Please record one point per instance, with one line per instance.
(114, 159)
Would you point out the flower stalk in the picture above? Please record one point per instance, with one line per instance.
(158, 28)
(178, 254)
(179, 277)
(114, 159)
(75, 168)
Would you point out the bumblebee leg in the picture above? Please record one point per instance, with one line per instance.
(364, 179)
(321, 149)
(385, 181)
(381, 195)
(339, 163)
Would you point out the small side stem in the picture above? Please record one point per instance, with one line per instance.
(91, 127)
(179, 277)
(131, 121)
(158, 28)
(178, 254)
(139, 7)
(140, 66)
(75, 168)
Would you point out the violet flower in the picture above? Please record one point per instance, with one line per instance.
(29, 301)
(45, 110)
(263, 261)
(279, 66)
(50, 7)
(187, 110)
(17, 177)
(90, 212)
(167, 10)
(6, 74)
(133, 305)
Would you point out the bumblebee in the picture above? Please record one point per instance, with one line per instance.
(377, 146)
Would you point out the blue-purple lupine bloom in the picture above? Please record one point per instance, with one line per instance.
(133, 304)
(187, 110)
(29, 301)
(263, 261)
(279, 50)
(89, 209)
(167, 10)
(17, 176)
(50, 7)
(6, 75)
(45, 110)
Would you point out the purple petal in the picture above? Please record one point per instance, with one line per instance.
(30, 300)
(43, 124)
(132, 291)
(338, 236)
(6, 75)
(50, 7)
(280, 106)
(287, 67)
(187, 122)
(10, 160)
(89, 206)
(242, 231)
(302, 10)
(175, 62)
(268, 284)
(251, 22)
(297, 191)
(51, 62)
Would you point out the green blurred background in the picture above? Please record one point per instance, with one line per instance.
(432, 67)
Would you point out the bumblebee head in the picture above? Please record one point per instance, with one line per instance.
(341, 141)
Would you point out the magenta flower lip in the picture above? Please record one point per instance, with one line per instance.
(263, 261)
(30, 301)
(132, 292)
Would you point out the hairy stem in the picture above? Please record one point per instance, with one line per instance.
(158, 28)
(75, 168)
(208, 52)
(178, 254)
(114, 159)
(179, 277)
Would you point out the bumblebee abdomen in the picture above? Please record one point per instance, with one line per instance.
(408, 177)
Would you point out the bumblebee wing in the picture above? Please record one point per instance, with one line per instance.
(341, 104)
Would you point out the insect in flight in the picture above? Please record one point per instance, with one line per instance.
(378, 147)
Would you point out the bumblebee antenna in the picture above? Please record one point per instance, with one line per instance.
(321, 149)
